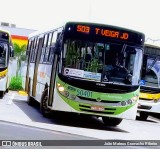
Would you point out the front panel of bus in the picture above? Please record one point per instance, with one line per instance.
(4, 59)
(99, 71)
(150, 83)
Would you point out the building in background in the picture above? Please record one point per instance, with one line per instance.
(19, 35)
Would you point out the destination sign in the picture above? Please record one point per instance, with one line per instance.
(103, 32)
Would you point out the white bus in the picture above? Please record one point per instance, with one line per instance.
(150, 84)
(6, 51)
(86, 68)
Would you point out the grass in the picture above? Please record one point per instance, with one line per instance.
(16, 83)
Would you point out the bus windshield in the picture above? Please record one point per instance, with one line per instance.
(3, 55)
(151, 76)
(102, 62)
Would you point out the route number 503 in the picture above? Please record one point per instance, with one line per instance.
(84, 93)
(83, 29)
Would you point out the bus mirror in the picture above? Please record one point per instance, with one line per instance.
(11, 51)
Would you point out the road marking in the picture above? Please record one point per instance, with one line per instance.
(10, 101)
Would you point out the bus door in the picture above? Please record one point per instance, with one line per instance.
(37, 59)
(54, 69)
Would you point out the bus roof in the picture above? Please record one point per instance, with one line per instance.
(9, 35)
(152, 50)
(152, 46)
(2, 30)
(38, 33)
(134, 37)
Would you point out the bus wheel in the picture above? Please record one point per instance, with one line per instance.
(44, 105)
(30, 100)
(143, 115)
(109, 121)
(1, 94)
(7, 90)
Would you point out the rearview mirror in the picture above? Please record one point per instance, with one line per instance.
(11, 51)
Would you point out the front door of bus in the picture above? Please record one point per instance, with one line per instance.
(40, 43)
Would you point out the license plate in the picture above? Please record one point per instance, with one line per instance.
(139, 105)
(97, 108)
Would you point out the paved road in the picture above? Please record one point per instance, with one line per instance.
(13, 108)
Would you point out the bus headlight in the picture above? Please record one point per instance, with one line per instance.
(129, 101)
(2, 76)
(61, 88)
(123, 103)
(156, 100)
(66, 93)
(135, 98)
(73, 96)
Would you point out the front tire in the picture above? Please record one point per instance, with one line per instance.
(1, 94)
(109, 121)
(7, 90)
(46, 112)
(143, 115)
(30, 100)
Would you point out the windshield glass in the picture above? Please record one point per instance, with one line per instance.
(152, 71)
(3, 55)
(102, 62)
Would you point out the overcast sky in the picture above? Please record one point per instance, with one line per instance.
(140, 15)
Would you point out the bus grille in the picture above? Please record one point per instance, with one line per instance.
(102, 101)
(146, 99)
(144, 107)
(150, 90)
(88, 109)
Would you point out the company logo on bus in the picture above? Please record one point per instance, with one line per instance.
(100, 84)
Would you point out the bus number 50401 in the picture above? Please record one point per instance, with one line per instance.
(84, 93)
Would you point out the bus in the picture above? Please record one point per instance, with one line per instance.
(6, 51)
(85, 68)
(150, 82)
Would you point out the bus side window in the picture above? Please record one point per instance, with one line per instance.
(28, 50)
(35, 49)
(43, 48)
(52, 47)
(32, 51)
(46, 57)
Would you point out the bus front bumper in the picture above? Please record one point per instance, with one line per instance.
(149, 106)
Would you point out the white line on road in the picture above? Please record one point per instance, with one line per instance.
(10, 101)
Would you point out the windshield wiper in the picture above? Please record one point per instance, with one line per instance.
(153, 63)
(122, 54)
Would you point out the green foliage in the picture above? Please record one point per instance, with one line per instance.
(19, 53)
(19, 50)
(16, 83)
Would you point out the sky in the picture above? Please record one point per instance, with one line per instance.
(140, 15)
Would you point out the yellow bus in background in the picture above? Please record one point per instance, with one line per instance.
(6, 51)
(150, 84)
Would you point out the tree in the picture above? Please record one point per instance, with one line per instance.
(19, 54)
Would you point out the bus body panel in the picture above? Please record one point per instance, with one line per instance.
(63, 105)
(43, 78)
(3, 84)
(104, 107)
(149, 106)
